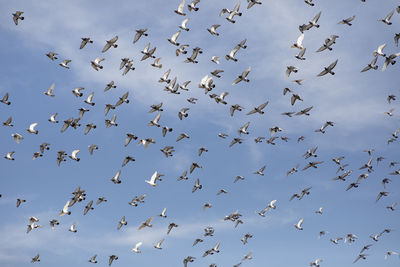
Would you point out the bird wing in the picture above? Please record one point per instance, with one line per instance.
(389, 16)
(262, 106)
(175, 36)
(316, 18)
(180, 7)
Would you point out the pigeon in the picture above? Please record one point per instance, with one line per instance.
(110, 43)
(18, 16)
(85, 40)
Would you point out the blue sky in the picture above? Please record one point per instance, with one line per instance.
(354, 101)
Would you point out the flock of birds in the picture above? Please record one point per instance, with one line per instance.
(172, 86)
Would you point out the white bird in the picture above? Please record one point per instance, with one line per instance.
(73, 155)
(298, 225)
(116, 179)
(299, 43)
(9, 155)
(173, 38)
(379, 51)
(159, 243)
(65, 209)
(155, 121)
(163, 213)
(49, 92)
(89, 99)
(231, 55)
(179, 10)
(72, 228)
(31, 128)
(243, 129)
(153, 179)
(183, 25)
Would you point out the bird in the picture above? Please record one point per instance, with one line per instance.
(197, 185)
(174, 37)
(110, 43)
(242, 77)
(371, 65)
(17, 16)
(17, 137)
(182, 113)
(122, 222)
(65, 209)
(93, 259)
(64, 63)
(213, 29)
(116, 179)
(153, 179)
(389, 253)
(386, 20)
(53, 223)
(140, 33)
(96, 63)
(298, 225)
(155, 121)
(52, 55)
(4, 100)
(360, 256)
(9, 155)
(163, 213)
(31, 128)
(328, 69)
(49, 91)
(258, 109)
(88, 207)
(260, 171)
(36, 258)
(111, 259)
(179, 10)
(379, 51)
(396, 39)
(183, 25)
(85, 40)
(147, 223)
(73, 155)
(231, 55)
(171, 226)
(299, 43)
(159, 243)
(156, 63)
(72, 228)
(300, 55)
(347, 21)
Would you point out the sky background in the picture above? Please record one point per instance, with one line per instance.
(354, 101)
